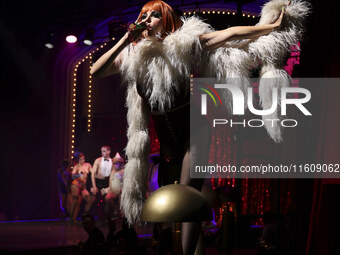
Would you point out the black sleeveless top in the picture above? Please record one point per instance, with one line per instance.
(173, 131)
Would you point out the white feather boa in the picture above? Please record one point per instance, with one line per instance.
(163, 68)
(235, 59)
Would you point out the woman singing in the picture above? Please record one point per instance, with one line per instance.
(157, 57)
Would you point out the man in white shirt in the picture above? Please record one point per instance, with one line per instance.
(100, 177)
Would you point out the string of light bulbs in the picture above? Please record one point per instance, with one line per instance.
(89, 57)
(248, 15)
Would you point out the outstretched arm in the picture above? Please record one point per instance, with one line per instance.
(216, 39)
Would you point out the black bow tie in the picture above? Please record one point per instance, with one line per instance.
(105, 159)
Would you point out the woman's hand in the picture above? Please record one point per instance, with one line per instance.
(134, 34)
(277, 24)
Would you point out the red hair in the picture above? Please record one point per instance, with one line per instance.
(171, 21)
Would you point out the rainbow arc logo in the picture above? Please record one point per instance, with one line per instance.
(211, 94)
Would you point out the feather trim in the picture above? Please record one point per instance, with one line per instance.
(269, 79)
(162, 68)
(235, 59)
(137, 151)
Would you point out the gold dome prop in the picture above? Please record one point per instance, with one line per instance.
(176, 203)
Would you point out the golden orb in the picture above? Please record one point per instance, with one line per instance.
(176, 203)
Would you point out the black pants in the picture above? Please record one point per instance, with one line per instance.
(103, 183)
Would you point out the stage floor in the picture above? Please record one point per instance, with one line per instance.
(54, 236)
(42, 234)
